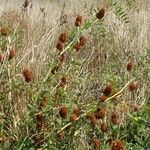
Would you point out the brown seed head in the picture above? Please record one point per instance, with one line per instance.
(60, 136)
(63, 81)
(101, 13)
(117, 145)
(129, 66)
(11, 54)
(96, 143)
(63, 37)
(78, 21)
(92, 119)
(132, 86)
(102, 98)
(104, 127)
(107, 91)
(114, 114)
(63, 112)
(27, 74)
(60, 45)
(4, 31)
(77, 46)
(73, 117)
(100, 113)
(83, 40)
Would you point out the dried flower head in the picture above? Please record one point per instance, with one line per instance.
(132, 86)
(73, 117)
(27, 75)
(63, 37)
(102, 98)
(107, 91)
(117, 145)
(101, 13)
(78, 21)
(60, 45)
(63, 112)
(12, 53)
(92, 119)
(77, 46)
(104, 127)
(96, 143)
(129, 66)
(83, 40)
(4, 31)
(100, 113)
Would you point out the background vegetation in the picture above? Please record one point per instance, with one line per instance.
(74, 75)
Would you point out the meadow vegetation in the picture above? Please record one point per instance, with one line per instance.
(78, 80)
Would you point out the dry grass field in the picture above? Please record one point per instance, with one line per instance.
(74, 75)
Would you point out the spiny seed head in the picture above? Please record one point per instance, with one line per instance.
(27, 75)
(100, 113)
(63, 37)
(63, 112)
(107, 91)
(117, 145)
(92, 119)
(129, 66)
(96, 143)
(77, 46)
(73, 117)
(78, 21)
(4, 31)
(132, 86)
(102, 98)
(101, 13)
(60, 45)
(104, 127)
(83, 40)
